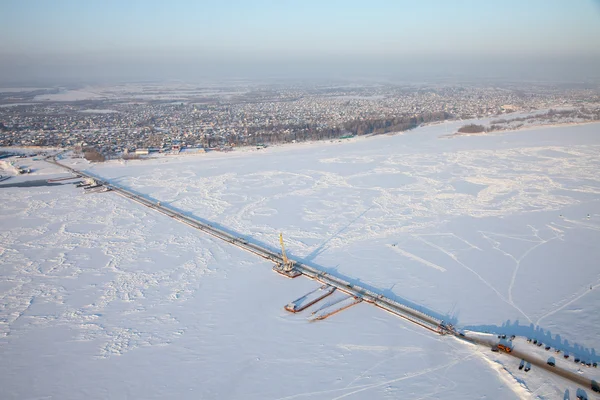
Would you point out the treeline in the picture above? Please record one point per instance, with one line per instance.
(583, 113)
(288, 133)
(306, 132)
(311, 132)
(93, 155)
(472, 128)
(552, 116)
(398, 124)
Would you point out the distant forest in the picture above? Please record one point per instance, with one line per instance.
(472, 128)
(93, 155)
(375, 126)
(550, 117)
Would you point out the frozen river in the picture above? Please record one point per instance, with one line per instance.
(494, 232)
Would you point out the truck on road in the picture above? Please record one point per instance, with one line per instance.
(504, 348)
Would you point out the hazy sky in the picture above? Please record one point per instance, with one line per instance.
(116, 38)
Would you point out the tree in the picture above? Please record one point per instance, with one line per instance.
(472, 128)
(93, 155)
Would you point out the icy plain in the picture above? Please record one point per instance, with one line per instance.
(103, 298)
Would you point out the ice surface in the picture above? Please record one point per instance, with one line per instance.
(101, 297)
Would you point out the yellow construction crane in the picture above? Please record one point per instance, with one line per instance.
(286, 268)
(287, 265)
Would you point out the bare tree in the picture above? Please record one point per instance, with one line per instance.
(93, 155)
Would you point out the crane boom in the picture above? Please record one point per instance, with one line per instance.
(283, 255)
(287, 266)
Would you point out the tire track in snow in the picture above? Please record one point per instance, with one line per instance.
(361, 388)
(408, 376)
(539, 242)
(453, 256)
(586, 291)
(418, 259)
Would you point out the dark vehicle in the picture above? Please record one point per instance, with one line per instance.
(595, 387)
(588, 364)
(540, 344)
(576, 360)
(557, 351)
(495, 349)
(534, 341)
(528, 340)
(547, 348)
(566, 356)
(551, 363)
(595, 365)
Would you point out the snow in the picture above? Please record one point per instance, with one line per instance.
(41, 170)
(110, 300)
(102, 297)
(176, 92)
(98, 111)
(16, 104)
(89, 93)
(19, 89)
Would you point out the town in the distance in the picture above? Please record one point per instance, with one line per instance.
(135, 120)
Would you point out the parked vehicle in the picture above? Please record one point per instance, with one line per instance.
(504, 348)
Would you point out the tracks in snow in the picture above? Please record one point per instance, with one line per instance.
(363, 294)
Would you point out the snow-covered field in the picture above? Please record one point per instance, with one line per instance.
(88, 93)
(147, 91)
(103, 298)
